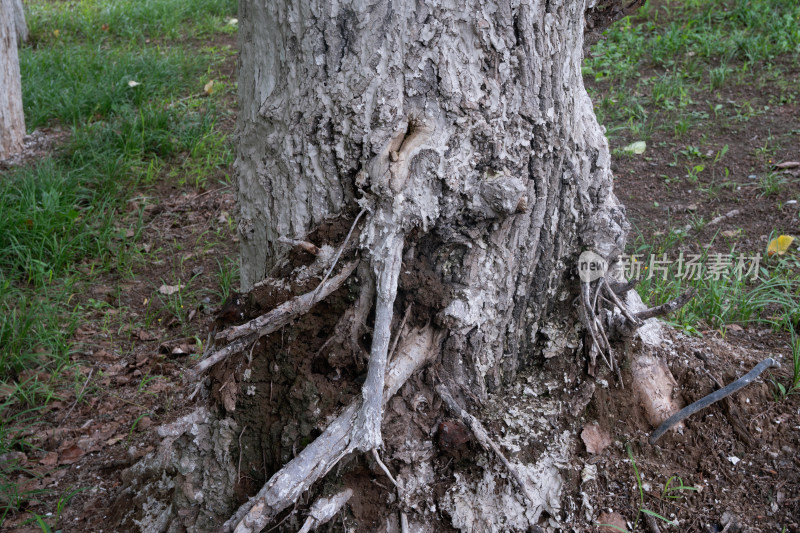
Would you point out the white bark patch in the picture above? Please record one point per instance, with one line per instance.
(492, 504)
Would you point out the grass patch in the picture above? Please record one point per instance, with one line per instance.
(78, 83)
(65, 219)
(650, 69)
(100, 20)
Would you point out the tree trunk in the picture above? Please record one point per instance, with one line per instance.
(19, 21)
(459, 148)
(502, 172)
(12, 120)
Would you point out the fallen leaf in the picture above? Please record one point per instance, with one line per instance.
(636, 148)
(113, 440)
(735, 327)
(144, 424)
(595, 438)
(104, 355)
(168, 290)
(730, 233)
(787, 164)
(104, 27)
(71, 454)
(12, 459)
(208, 88)
(143, 335)
(182, 349)
(779, 245)
(611, 522)
(51, 459)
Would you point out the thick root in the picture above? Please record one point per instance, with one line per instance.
(387, 272)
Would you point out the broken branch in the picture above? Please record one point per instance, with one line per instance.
(270, 322)
(715, 396)
(303, 245)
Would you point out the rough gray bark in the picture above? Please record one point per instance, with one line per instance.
(465, 133)
(12, 119)
(480, 110)
(19, 21)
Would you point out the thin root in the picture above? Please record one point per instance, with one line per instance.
(377, 458)
(486, 442)
(668, 307)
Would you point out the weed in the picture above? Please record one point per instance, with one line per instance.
(771, 183)
(783, 391)
(642, 508)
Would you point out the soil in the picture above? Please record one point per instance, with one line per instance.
(743, 455)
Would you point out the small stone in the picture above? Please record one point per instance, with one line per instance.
(453, 434)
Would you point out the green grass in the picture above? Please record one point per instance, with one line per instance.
(64, 219)
(135, 20)
(650, 69)
(679, 70)
(731, 297)
(78, 83)
(772, 300)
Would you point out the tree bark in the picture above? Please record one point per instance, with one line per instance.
(19, 21)
(12, 119)
(504, 168)
(464, 135)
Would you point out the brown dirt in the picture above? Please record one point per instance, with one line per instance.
(742, 453)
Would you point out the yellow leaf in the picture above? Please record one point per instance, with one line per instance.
(209, 87)
(636, 148)
(779, 245)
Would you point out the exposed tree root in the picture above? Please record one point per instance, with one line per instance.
(385, 469)
(324, 509)
(605, 317)
(417, 348)
(668, 307)
(243, 336)
(487, 443)
(386, 266)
